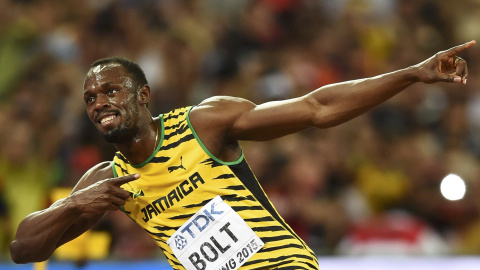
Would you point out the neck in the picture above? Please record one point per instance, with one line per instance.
(139, 148)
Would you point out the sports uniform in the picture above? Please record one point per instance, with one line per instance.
(180, 178)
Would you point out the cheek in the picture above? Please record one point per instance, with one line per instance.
(91, 117)
(90, 114)
(128, 100)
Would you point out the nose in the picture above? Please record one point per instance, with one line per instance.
(102, 101)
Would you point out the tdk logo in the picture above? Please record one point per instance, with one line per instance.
(201, 221)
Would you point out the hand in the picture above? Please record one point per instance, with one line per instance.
(105, 195)
(445, 66)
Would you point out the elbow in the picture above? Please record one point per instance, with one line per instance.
(323, 118)
(15, 253)
(327, 118)
(22, 255)
(320, 113)
(18, 253)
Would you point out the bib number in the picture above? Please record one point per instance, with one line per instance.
(216, 237)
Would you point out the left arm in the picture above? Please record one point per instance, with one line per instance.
(227, 119)
(325, 107)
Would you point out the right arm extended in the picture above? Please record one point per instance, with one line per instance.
(41, 232)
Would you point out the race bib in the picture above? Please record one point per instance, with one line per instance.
(216, 237)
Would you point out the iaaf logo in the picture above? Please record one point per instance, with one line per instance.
(180, 242)
(200, 221)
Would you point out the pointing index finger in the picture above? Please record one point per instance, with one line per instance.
(124, 179)
(457, 49)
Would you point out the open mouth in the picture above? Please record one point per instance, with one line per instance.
(104, 121)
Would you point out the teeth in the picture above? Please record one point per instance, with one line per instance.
(107, 119)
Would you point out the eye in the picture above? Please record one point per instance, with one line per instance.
(112, 91)
(89, 100)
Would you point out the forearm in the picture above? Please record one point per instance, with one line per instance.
(338, 103)
(39, 234)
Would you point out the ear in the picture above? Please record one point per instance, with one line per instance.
(144, 95)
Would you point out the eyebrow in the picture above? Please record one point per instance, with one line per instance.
(103, 85)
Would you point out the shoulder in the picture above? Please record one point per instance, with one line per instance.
(97, 173)
(220, 108)
(214, 119)
(220, 101)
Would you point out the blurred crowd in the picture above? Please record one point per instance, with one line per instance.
(367, 187)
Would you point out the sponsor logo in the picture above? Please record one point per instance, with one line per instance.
(174, 168)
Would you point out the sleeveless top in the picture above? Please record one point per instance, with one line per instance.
(182, 176)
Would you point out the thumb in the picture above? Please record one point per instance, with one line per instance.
(449, 78)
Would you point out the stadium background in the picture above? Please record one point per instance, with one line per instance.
(369, 187)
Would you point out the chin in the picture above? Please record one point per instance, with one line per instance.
(120, 134)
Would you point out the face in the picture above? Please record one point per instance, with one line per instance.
(112, 102)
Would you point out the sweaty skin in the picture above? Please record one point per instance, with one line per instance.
(119, 112)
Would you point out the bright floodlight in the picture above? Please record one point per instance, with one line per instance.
(453, 187)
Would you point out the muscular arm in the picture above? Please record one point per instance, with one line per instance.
(238, 119)
(41, 232)
(325, 107)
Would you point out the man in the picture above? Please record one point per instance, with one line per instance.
(182, 176)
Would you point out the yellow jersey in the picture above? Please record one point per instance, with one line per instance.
(182, 176)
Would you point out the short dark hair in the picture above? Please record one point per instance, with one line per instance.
(133, 68)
